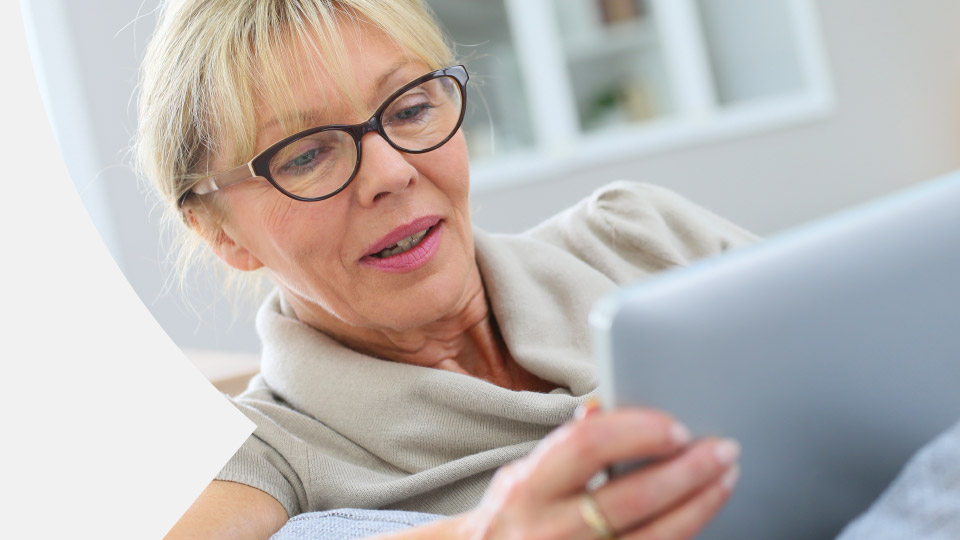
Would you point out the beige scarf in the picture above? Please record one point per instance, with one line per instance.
(339, 429)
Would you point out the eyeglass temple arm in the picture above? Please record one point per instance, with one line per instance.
(224, 179)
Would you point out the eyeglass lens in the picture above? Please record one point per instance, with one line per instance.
(420, 119)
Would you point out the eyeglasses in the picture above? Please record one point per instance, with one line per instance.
(320, 162)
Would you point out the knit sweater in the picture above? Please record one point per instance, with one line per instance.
(340, 429)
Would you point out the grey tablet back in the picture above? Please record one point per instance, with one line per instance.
(831, 352)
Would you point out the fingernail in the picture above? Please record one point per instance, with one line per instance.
(587, 408)
(727, 451)
(680, 434)
(729, 478)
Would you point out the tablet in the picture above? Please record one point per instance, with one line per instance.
(831, 352)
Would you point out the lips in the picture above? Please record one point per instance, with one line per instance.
(403, 245)
(406, 248)
(402, 240)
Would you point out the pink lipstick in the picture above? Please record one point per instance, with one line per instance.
(407, 247)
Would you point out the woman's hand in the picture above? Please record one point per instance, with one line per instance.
(542, 495)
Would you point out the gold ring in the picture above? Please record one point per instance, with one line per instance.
(592, 516)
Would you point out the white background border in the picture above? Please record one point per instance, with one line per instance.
(109, 431)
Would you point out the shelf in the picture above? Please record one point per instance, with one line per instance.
(624, 142)
(583, 92)
(614, 40)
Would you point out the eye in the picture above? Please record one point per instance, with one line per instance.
(412, 112)
(304, 162)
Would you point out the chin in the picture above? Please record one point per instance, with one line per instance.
(428, 302)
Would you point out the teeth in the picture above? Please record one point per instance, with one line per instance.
(402, 245)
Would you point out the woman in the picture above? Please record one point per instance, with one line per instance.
(407, 358)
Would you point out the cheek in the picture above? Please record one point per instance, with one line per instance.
(450, 167)
(283, 232)
(458, 150)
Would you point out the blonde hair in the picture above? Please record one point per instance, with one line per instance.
(210, 60)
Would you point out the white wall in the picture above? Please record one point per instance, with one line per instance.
(896, 68)
(895, 64)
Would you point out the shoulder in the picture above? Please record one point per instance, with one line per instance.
(632, 229)
(635, 198)
(268, 460)
(632, 205)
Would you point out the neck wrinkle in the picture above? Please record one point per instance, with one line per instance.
(468, 341)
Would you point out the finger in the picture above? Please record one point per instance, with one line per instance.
(642, 496)
(589, 407)
(567, 458)
(639, 496)
(687, 520)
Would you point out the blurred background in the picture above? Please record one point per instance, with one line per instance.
(769, 112)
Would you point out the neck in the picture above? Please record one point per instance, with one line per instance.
(465, 341)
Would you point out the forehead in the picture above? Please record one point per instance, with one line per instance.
(306, 88)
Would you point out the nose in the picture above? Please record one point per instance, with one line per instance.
(384, 170)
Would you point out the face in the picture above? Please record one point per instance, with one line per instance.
(329, 256)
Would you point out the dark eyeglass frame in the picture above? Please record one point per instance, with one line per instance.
(259, 166)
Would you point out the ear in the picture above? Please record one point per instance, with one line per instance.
(220, 242)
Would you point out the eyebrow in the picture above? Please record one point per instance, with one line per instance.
(315, 115)
(382, 80)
